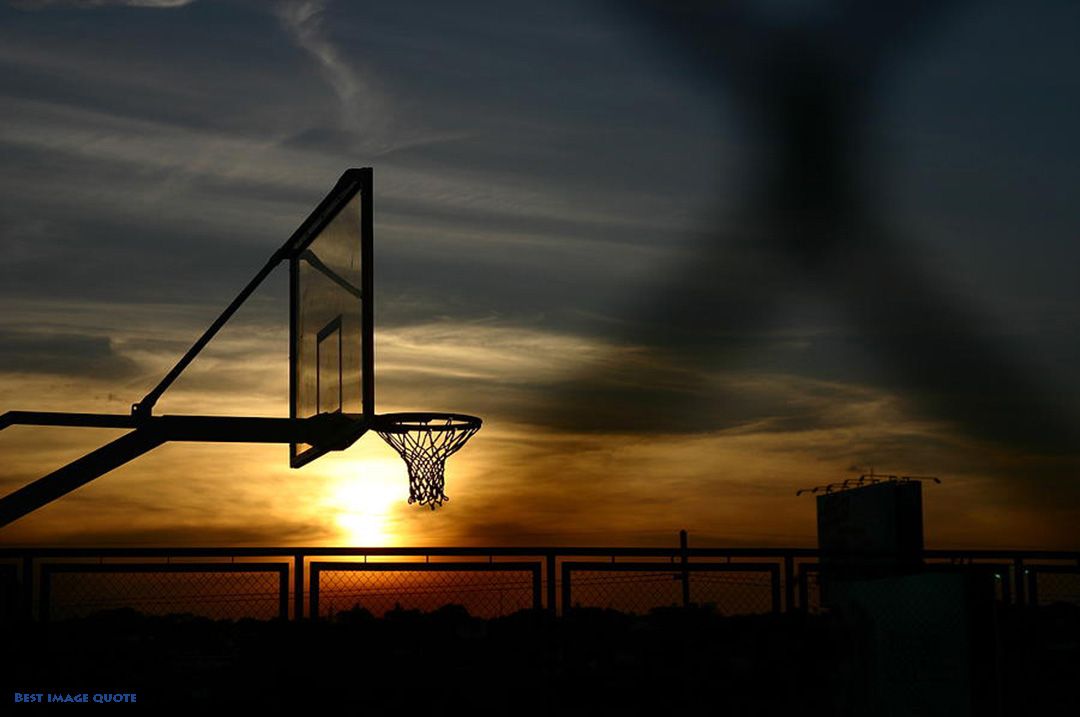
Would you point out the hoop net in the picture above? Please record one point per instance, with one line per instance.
(425, 441)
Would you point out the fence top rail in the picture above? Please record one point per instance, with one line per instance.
(316, 551)
(493, 551)
(600, 566)
(318, 566)
(281, 568)
(1004, 554)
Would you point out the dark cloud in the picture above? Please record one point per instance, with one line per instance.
(91, 4)
(77, 355)
(773, 214)
(265, 534)
(805, 84)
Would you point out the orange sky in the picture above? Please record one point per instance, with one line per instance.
(515, 483)
(679, 280)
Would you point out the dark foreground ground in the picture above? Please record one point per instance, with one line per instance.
(446, 662)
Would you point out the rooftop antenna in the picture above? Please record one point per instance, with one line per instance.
(864, 479)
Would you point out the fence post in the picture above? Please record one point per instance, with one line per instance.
(313, 603)
(774, 580)
(28, 588)
(283, 592)
(298, 586)
(789, 583)
(566, 606)
(684, 557)
(1018, 580)
(44, 591)
(538, 603)
(550, 560)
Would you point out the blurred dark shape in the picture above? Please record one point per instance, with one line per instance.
(803, 78)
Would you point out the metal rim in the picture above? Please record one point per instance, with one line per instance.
(425, 421)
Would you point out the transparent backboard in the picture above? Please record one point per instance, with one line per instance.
(330, 311)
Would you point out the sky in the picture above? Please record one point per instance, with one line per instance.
(683, 259)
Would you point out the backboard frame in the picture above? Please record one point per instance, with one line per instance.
(322, 431)
(351, 183)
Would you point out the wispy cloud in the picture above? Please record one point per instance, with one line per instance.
(363, 108)
(41, 4)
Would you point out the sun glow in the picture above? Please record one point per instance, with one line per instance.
(365, 499)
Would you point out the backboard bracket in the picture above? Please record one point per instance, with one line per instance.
(337, 431)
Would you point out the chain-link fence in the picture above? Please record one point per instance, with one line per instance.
(10, 592)
(729, 588)
(1050, 584)
(269, 583)
(484, 589)
(736, 593)
(630, 592)
(214, 590)
(809, 588)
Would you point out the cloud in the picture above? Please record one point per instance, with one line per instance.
(362, 107)
(89, 4)
(63, 354)
(77, 534)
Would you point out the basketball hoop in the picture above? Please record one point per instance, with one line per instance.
(425, 441)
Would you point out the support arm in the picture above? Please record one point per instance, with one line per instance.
(77, 473)
(335, 430)
(343, 191)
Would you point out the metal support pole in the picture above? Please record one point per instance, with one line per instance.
(684, 558)
(538, 599)
(298, 586)
(44, 597)
(367, 281)
(550, 560)
(77, 473)
(336, 431)
(347, 187)
(146, 406)
(283, 593)
(804, 588)
(789, 583)
(27, 606)
(566, 605)
(313, 601)
(1018, 580)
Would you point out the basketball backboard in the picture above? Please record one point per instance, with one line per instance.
(331, 348)
(331, 372)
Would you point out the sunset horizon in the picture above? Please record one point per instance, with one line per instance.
(599, 268)
(573, 357)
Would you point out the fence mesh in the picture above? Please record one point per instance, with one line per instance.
(810, 597)
(483, 593)
(9, 591)
(231, 596)
(81, 588)
(1058, 587)
(734, 593)
(632, 592)
(731, 593)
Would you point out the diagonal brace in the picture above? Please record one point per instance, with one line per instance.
(77, 473)
(338, 431)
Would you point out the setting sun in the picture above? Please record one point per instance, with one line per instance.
(363, 498)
